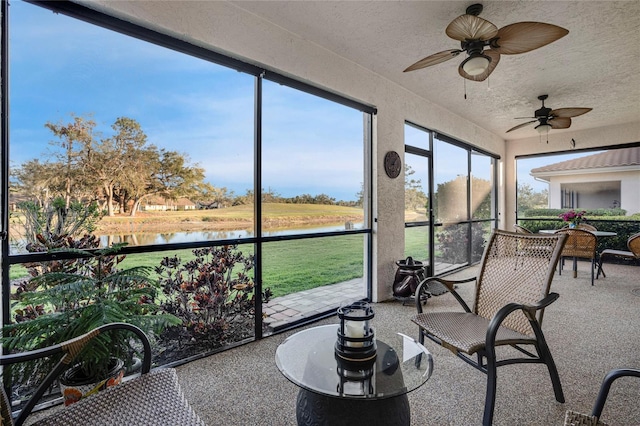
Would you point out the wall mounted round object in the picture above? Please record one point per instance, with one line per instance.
(392, 164)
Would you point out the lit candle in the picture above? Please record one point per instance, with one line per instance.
(354, 329)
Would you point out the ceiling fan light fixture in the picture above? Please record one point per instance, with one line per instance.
(543, 128)
(476, 64)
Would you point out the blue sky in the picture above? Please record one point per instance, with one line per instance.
(61, 66)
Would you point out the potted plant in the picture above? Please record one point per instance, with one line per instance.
(87, 292)
(573, 217)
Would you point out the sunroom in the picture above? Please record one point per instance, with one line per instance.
(266, 132)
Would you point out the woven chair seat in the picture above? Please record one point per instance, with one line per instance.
(572, 418)
(618, 253)
(150, 400)
(465, 331)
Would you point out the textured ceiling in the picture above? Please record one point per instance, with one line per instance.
(597, 65)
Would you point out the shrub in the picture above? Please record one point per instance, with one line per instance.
(454, 242)
(589, 213)
(86, 292)
(214, 301)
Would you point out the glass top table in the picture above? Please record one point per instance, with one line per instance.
(308, 359)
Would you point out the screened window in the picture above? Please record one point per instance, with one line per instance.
(237, 192)
(457, 191)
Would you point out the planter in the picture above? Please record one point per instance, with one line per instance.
(75, 385)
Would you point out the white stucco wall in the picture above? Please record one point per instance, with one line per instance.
(629, 188)
(226, 29)
(559, 143)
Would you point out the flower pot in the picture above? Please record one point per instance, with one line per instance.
(75, 385)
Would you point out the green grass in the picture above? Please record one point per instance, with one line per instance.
(416, 242)
(288, 266)
(292, 266)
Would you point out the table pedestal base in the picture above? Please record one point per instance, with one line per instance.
(313, 409)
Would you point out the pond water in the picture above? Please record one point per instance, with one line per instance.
(136, 239)
(191, 236)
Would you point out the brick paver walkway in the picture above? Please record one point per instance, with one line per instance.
(296, 306)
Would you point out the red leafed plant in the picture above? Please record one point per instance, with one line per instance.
(213, 294)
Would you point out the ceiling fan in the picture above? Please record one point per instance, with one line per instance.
(475, 34)
(548, 118)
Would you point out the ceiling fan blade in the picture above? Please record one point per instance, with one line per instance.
(495, 58)
(569, 112)
(434, 59)
(523, 37)
(470, 27)
(560, 123)
(522, 118)
(521, 125)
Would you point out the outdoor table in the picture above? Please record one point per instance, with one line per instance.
(330, 395)
(598, 234)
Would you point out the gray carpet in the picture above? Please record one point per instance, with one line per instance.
(590, 330)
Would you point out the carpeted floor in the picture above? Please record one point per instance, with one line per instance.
(590, 330)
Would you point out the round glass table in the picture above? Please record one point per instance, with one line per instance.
(332, 393)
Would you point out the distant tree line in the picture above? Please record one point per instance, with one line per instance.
(120, 171)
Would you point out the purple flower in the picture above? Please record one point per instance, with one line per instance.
(573, 216)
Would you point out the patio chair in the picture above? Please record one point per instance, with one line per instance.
(633, 244)
(573, 418)
(581, 244)
(155, 397)
(521, 229)
(508, 309)
(586, 227)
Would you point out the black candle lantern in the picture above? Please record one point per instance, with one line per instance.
(355, 381)
(355, 346)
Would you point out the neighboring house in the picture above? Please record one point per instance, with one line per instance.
(606, 180)
(161, 204)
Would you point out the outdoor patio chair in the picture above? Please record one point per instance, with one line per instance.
(153, 398)
(586, 227)
(581, 244)
(521, 229)
(577, 419)
(633, 244)
(508, 309)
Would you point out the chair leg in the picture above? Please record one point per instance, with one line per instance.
(561, 265)
(593, 269)
(545, 355)
(490, 398)
(600, 270)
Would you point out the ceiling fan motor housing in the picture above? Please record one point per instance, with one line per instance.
(543, 112)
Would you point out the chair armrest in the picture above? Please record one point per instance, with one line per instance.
(449, 285)
(541, 304)
(529, 311)
(606, 385)
(71, 348)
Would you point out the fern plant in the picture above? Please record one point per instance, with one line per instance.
(90, 291)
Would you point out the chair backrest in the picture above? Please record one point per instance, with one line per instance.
(633, 243)
(521, 229)
(5, 409)
(587, 227)
(580, 243)
(509, 274)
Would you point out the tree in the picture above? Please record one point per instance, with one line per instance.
(414, 197)
(73, 137)
(122, 168)
(36, 180)
(530, 199)
(109, 160)
(480, 198)
(451, 199)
